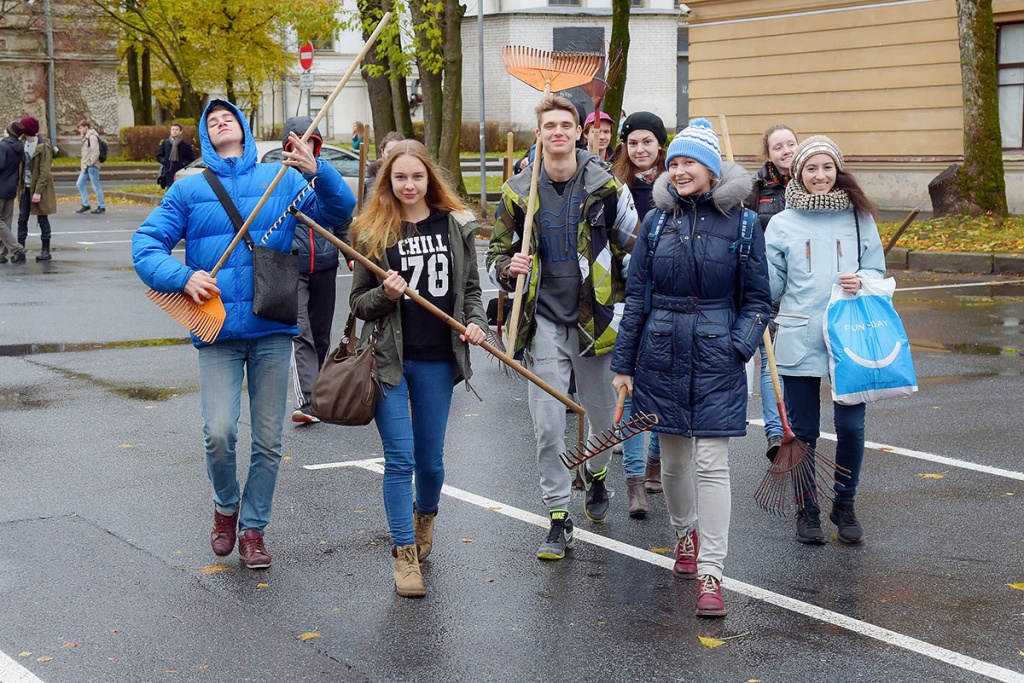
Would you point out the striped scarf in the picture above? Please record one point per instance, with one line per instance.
(799, 198)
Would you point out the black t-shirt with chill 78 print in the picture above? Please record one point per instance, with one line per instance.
(424, 258)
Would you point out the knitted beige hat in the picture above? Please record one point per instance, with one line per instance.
(815, 144)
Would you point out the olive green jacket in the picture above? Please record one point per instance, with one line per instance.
(369, 302)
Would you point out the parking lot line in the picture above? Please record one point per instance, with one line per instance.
(930, 457)
(12, 672)
(857, 626)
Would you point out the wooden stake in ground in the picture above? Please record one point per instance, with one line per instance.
(205, 320)
(545, 71)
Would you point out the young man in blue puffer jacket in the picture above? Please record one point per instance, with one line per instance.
(247, 344)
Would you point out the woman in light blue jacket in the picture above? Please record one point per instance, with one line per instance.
(826, 235)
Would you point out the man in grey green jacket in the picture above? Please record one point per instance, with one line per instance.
(583, 233)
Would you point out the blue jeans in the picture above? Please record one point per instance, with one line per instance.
(654, 447)
(92, 173)
(803, 403)
(221, 367)
(412, 418)
(769, 408)
(632, 449)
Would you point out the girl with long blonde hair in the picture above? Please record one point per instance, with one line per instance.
(415, 228)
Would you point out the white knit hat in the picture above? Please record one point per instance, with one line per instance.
(815, 144)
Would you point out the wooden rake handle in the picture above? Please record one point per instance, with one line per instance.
(531, 209)
(242, 231)
(450, 321)
(769, 352)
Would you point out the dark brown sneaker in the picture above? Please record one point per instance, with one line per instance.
(252, 550)
(222, 538)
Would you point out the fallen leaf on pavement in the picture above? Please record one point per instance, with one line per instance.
(263, 585)
(70, 644)
(710, 642)
(1016, 586)
(660, 551)
(44, 658)
(309, 635)
(938, 475)
(24, 654)
(214, 569)
(467, 540)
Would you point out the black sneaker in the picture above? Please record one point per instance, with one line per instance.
(99, 210)
(845, 519)
(559, 537)
(808, 526)
(3, 258)
(84, 209)
(595, 507)
(18, 256)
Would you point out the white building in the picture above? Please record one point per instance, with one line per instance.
(657, 67)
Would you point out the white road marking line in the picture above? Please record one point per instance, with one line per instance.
(967, 284)
(930, 457)
(857, 626)
(12, 672)
(89, 244)
(352, 463)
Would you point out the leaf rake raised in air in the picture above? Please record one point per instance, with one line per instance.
(605, 440)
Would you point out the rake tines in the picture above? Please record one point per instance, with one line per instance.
(800, 466)
(550, 71)
(605, 440)
(204, 320)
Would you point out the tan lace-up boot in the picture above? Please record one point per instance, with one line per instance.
(424, 527)
(408, 579)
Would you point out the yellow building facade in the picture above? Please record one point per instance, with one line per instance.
(881, 78)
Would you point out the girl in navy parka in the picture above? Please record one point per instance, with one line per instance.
(682, 356)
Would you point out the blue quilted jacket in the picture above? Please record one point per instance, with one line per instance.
(190, 211)
(686, 354)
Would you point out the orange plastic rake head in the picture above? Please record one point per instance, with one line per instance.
(204, 321)
(550, 71)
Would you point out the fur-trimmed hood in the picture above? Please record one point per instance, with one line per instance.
(727, 195)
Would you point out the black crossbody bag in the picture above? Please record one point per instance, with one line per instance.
(275, 276)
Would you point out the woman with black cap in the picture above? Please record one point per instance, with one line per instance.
(643, 140)
(827, 235)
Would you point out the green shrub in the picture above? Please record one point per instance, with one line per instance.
(142, 142)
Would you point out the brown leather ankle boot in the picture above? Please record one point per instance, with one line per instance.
(638, 505)
(652, 476)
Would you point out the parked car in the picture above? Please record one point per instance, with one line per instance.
(269, 151)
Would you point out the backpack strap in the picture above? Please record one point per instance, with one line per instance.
(741, 247)
(652, 245)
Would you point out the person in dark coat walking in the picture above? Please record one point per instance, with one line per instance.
(11, 152)
(37, 195)
(695, 313)
(317, 261)
(175, 153)
(767, 199)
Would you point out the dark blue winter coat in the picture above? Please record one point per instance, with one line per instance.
(313, 252)
(12, 153)
(686, 355)
(190, 211)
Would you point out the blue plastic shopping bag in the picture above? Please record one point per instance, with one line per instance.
(869, 353)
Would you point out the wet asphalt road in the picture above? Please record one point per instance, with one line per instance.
(104, 518)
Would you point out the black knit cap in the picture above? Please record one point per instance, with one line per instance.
(645, 120)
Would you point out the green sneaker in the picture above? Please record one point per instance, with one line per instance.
(559, 537)
(595, 506)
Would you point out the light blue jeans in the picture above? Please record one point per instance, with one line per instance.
(632, 449)
(92, 173)
(265, 363)
(412, 419)
(769, 407)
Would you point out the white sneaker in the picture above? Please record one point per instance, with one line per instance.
(304, 415)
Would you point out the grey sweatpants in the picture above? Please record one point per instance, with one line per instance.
(706, 504)
(6, 220)
(554, 356)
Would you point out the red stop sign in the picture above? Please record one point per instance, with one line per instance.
(306, 55)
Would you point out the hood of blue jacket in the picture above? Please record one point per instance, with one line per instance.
(214, 161)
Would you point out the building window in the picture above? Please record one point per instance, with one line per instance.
(1011, 85)
(638, 3)
(570, 3)
(321, 43)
